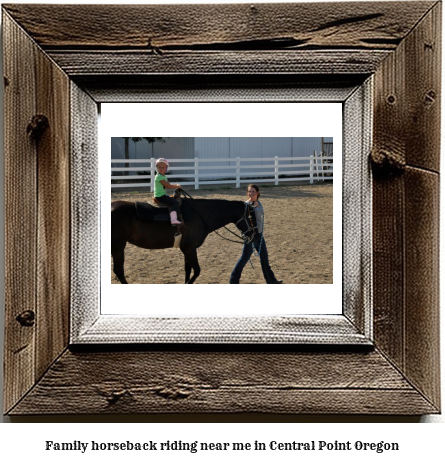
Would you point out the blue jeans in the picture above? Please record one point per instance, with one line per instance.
(245, 256)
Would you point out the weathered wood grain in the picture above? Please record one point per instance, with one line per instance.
(156, 27)
(37, 220)
(397, 42)
(218, 382)
(388, 268)
(216, 87)
(407, 113)
(261, 38)
(79, 63)
(406, 241)
(422, 323)
(389, 157)
(20, 213)
(423, 92)
(357, 237)
(85, 211)
(53, 223)
(406, 275)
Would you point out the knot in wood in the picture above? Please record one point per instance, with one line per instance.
(37, 126)
(387, 163)
(172, 393)
(114, 397)
(26, 318)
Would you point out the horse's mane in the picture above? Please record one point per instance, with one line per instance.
(222, 201)
(203, 204)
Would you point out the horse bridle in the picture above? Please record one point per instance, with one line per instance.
(247, 217)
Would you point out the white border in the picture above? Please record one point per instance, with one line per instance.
(220, 120)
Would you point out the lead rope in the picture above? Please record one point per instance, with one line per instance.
(187, 195)
(262, 235)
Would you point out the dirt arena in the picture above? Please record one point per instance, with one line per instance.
(298, 235)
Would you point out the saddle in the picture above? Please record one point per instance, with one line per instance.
(148, 212)
(155, 211)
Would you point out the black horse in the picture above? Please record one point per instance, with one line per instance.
(201, 218)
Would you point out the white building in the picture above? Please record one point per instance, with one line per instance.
(188, 148)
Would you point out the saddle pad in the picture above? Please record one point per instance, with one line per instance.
(147, 212)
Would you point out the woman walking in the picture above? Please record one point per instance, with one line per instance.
(253, 193)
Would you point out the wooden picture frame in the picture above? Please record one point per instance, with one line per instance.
(77, 56)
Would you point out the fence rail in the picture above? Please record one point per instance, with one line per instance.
(316, 167)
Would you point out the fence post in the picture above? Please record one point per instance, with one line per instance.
(322, 165)
(152, 174)
(317, 165)
(276, 171)
(196, 173)
(238, 172)
(311, 168)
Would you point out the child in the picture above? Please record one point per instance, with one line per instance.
(161, 182)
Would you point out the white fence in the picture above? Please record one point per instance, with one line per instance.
(316, 167)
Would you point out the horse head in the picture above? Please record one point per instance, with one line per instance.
(247, 224)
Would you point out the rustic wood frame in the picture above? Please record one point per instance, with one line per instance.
(89, 321)
(85, 55)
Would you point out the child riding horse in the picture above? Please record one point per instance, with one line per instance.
(161, 182)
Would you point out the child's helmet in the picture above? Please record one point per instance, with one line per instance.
(162, 160)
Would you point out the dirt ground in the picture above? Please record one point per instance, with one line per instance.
(298, 234)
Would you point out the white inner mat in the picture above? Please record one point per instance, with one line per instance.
(219, 120)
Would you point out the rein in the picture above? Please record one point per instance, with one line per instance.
(245, 241)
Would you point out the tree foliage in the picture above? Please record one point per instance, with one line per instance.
(150, 140)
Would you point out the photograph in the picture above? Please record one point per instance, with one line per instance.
(248, 192)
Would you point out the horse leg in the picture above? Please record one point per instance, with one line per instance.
(188, 271)
(191, 260)
(118, 263)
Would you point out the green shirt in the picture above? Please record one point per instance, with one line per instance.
(159, 188)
